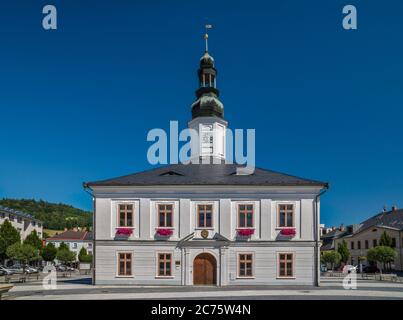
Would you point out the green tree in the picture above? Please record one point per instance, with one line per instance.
(49, 252)
(24, 253)
(65, 255)
(34, 240)
(382, 254)
(332, 257)
(53, 215)
(8, 236)
(63, 246)
(343, 251)
(83, 256)
(385, 240)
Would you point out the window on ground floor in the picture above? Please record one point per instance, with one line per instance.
(245, 265)
(374, 243)
(352, 245)
(393, 242)
(366, 244)
(124, 264)
(358, 244)
(164, 264)
(286, 265)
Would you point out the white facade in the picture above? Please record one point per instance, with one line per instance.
(22, 222)
(222, 241)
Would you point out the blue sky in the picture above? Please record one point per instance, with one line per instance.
(77, 103)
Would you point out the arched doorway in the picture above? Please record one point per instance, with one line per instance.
(204, 270)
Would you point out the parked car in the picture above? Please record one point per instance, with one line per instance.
(6, 271)
(61, 268)
(348, 268)
(370, 269)
(29, 269)
(16, 268)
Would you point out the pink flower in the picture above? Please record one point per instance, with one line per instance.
(288, 232)
(164, 232)
(246, 232)
(124, 231)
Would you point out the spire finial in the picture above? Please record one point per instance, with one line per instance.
(207, 26)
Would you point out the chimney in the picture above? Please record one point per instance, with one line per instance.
(384, 209)
(342, 227)
(394, 208)
(333, 228)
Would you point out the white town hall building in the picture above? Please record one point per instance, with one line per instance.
(206, 224)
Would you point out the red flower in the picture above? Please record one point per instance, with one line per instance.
(164, 232)
(246, 232)
(288, 232)
(124, 231)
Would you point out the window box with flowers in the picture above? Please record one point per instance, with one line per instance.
(245, 233)
(123, 233)
(163, 233)
(288, 232)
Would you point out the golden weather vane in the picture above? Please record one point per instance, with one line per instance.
(207, 27)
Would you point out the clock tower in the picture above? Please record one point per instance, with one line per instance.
(207, 113)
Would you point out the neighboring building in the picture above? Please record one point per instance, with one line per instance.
(25, 223)
(367, 235)
(206, 223)
(74, 239)
(332, 234)
(323, 229)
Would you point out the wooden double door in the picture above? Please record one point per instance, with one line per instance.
(204, 270)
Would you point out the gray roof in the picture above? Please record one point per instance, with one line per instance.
(206, 174)
(18, 213)
(390, 219)
(337, 233)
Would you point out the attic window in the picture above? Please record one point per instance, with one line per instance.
(242, 171)
(170, 173)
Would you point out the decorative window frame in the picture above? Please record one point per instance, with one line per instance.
(238, 204)
(157, 214)
(114, 216)
(294, 206)
(213, 211)
(118, 204)
(117, 275)
(157, 276)
(238, 260)
(278, 265)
